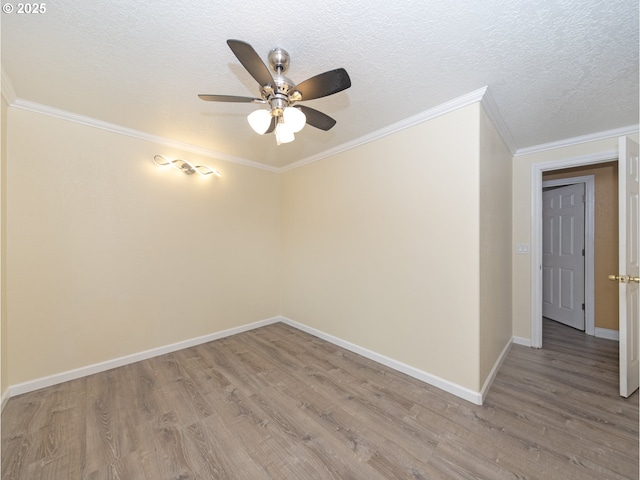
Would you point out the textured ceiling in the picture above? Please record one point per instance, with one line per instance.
(555, 68)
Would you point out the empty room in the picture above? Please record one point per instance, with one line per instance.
(340, 240)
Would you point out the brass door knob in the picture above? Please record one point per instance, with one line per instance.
(624, 278)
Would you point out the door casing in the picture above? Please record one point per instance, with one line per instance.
(536, 230)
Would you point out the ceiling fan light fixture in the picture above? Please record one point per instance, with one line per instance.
(284, 133)
(260, 120)
(294, 118)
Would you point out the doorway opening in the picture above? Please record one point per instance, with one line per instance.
(537, 171)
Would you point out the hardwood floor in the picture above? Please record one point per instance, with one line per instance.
(277, 403)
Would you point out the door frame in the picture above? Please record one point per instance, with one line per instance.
(536, 229)
(589, 182)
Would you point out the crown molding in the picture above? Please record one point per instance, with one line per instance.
(569, 142)
(430, 114)
(480, 95)
(448, 107)
(455, 104)
(113, 128)
(493, 112)
(6, 88)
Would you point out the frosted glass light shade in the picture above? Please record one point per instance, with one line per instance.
(294, 119)
(284, 134)
(260, 121)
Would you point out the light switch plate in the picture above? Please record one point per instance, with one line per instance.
(522, 248)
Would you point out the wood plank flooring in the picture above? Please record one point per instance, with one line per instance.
(277, 403)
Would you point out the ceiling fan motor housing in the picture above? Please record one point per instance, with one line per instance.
(278, 95)
(279, 60)
(278, 103)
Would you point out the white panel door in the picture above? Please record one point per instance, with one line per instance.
(563, 255)
(629, 271)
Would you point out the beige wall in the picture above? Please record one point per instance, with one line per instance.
(381, 246)
(522, 220)
(495, 246)
(4, 377)
(605, 237)
(110, 255)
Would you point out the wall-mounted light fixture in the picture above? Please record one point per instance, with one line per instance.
(185, 167)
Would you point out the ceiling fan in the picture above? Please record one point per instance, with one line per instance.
(281, 94)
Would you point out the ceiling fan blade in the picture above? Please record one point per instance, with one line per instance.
(324, 84)
(251, 61)
(317, 119)
(230, 98)
(272, 127)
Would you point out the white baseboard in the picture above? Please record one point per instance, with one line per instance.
(521, 341)
(126, 360)
(4, 399)
(599, 332)
(447, 386)
(494, 371)
(442, 384)
(607, 333)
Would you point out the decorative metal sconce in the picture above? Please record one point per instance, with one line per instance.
(185, 167)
